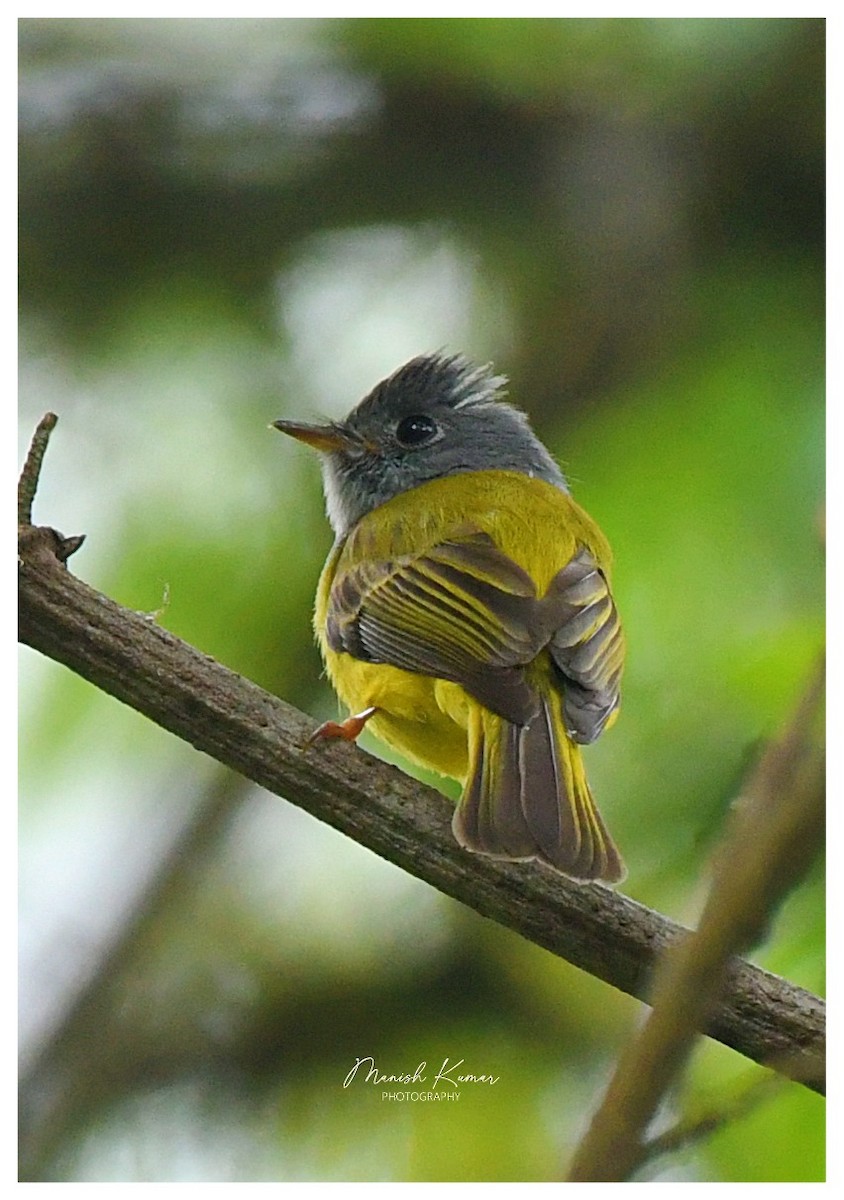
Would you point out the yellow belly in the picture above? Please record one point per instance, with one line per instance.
(416, 714)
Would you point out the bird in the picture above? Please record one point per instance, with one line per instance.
(464, 613)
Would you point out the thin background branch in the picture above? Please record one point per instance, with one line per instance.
(74, 1068)
(773, 837)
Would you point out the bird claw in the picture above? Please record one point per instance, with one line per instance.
(349, 730)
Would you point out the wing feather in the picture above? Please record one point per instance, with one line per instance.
(587, 646)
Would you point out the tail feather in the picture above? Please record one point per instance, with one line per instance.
(526, 796)
(490, 812)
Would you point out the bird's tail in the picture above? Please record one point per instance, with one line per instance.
(526, 796)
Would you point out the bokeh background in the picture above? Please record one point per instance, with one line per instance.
(224, 221)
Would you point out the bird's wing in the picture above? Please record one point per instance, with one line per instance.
(462, 611)
(587, 646)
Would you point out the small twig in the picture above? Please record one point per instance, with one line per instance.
(31, 473)
(694, 1129)
(29, 535)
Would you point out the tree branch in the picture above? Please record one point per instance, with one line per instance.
(224, 715)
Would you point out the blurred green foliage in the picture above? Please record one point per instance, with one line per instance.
(228, 220)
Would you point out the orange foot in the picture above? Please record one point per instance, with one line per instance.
(348, 730)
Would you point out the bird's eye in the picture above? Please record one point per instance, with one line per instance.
(417, 430)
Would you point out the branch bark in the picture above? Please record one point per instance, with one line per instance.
(222, 714)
